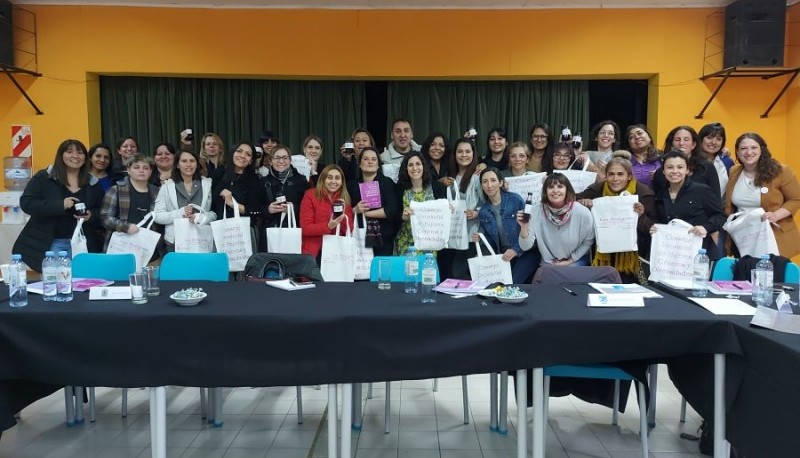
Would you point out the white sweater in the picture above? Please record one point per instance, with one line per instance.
(569, 241)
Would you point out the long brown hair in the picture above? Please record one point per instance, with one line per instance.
(767, 166)
(320, 192)
(453, 169)
(59, 170)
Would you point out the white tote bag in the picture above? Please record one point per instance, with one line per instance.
(78, 241)
(580, 179)
(615, 223)
(286, 240)
(363, 255)
(672, 251)
(459, 237)
(141, 244)
(337, 262)
(751, 235)
(490, 268)
(529, 183)
(191, 237)
(232, 237)
(430, 224)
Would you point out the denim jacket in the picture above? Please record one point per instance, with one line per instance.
(510, 204)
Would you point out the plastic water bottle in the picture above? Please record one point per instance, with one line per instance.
(700, 268)
(762, 282)
(412, 271)
(429, 271)
(50, 276)
(64, 283)
(17, 282)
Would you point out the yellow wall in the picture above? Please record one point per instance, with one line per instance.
(666, 46)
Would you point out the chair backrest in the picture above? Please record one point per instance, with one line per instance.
(398, 268)
(195, 266)
(549, 274)
(723, 269)
(792, 274)
(105, 266)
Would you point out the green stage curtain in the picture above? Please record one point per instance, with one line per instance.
(153, 110)
(452, 107)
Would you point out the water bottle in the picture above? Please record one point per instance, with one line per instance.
(64, 283)
(17, 282)
(762, 282)
(429, 271)
(700, 268)
(50, 276)
(412, 271)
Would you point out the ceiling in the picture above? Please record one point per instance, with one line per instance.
(396, 4)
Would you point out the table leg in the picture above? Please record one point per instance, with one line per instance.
(357, 406)
(719, 406)
(347, 411)
(69, 405)
(522, 410)
(332, 419)
(78, 391)
(652, 371)
(158, 422)
(538, 413)
(493, 401)
(218, 401)
(502, 417)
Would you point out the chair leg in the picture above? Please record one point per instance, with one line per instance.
(502, 420)
(124, 402)
(387, 408)
(435, 385)
(203, 404)
(78, 392)
(653, 379)
(493, 401)
(333, 416)
(546, 407)
(299, 405)
(218, 402)
(92, 406)
(211, 406)
(69, 405)
(615, 406)
(683, 410)
(369, 390)
(357, 404)
(465, 397)
(643, 430)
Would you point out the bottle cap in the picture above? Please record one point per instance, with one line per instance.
(49, 253)
(701, 251)
(16, 257)
(764, 256)
(62, 253)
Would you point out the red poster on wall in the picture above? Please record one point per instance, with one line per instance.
(21, 141)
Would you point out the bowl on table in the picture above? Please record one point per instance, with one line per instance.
(510, 295)
(188, 297)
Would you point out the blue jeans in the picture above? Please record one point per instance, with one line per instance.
(62, 245)
(524, 266)
(584, 261)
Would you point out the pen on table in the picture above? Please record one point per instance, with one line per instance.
(736, 286)
(569, 290)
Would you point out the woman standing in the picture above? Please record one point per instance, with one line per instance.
(316, 211)
(414, 184)
(496, 156)
(540, 143)
(282, 185)
(689, 201)
(211, 154)
(684, 139)
(563, 158)
(127, 202)
(99, 162)
(564, 228)
(126, 148)
(312, 150)
(434, 150)
(463, 162)
(644, 156)
(164, 156)
(518, 155)
(497, 219)
(761, 181)
(50, 198)
(237, 180)
(603, 140)
(619, 180)
(381, 220)
(175, 199)
(712, 148)
(361, 139)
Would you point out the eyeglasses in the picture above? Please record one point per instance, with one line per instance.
(539, 137)
(562, 155)
(606, 132)
(280, 158)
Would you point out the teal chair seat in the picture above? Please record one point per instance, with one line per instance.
(723, 270)
(195, 266)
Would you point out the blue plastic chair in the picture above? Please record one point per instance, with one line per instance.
(195, 266)
(792, 274)
(723, 270)
(104, 266)
(115, 267)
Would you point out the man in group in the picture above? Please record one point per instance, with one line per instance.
(402, 143)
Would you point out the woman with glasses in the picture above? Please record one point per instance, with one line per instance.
(282, 185)
(645, 157)
(381, 216)
(563, 157)
(540, 143)
(603, 141)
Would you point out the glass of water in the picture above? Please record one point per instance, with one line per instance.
(138, 283)
(384, 274)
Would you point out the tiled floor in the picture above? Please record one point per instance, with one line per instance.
(262, 423)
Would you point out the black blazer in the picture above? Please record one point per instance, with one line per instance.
(697, 205)
(388, 200)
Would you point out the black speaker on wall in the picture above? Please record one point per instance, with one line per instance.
(755, 31)
(6, 34)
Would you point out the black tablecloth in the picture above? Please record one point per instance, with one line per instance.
(248, 334)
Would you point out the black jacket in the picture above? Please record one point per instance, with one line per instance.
(293, 188)
(245, 188)
(43, 200)
(703, 172)
(697, 205)
(388, 200)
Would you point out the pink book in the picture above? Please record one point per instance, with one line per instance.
(370, 194)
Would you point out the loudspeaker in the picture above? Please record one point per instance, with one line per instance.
(755, 33)
(6, 34)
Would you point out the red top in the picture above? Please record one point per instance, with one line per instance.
(314, 216)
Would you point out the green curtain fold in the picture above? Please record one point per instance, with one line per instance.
(153, 110)
(453, 106)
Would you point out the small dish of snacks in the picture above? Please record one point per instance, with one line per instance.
(188, 297)
(510, 294)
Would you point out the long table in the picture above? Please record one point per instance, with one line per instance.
(248, 334)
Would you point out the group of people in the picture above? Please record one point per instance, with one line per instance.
(693, 178)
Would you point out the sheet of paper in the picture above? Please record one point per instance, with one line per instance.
(289, 285)
(770, 318)
(724, 306)
(102, 293)
(624, 288)
(615, 300)
(676, 283)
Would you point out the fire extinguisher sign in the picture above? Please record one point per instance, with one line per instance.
(21, 141)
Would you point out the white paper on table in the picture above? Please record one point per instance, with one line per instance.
(99, 293)
(625, 288)
(677, 283)
(615, 300)
(724, 306)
